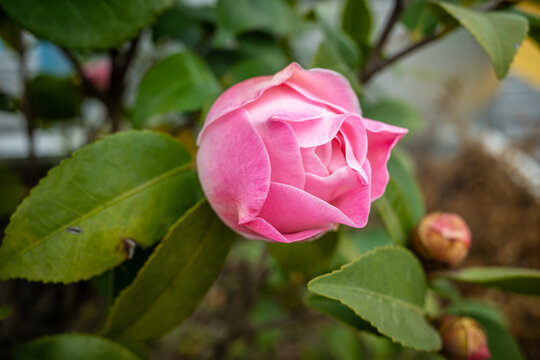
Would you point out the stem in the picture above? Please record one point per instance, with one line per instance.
(89, 87)
(383, 63)
(376, 54)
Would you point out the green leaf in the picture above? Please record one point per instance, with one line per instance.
(174, 279)
(518, 280)
(309, 258)
(338, 311)
(237, 16)
(394, 112)
(5, 312)
(8, 31)
(12, 191)
(501, 343)
(180, 82)
(499, 33)
(85, 24)
(402, 204)
(89, 212)
(72, 346)
(385, 287)
(54, 98)
(357, 22)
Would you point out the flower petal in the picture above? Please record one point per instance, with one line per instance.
(290, 210)
(234, 168)
(327, 87)
(283, 151)
(381, 139)
(312, 162)
(330, 187)
(261, 229)
(318, 131)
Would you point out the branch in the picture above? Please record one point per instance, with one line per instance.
(376, 52)
(87, 84)
(368, 73)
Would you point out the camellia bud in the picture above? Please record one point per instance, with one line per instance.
(99, 73)
(463, 339)
(442, 238)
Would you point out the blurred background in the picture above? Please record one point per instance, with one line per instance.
(474, 140)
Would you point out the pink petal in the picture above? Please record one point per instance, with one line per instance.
(244, 93)
(330, 187)
(337, 158)
(356, 203)
(312, 162)
(381, 139)
(234, 168)
(284, 103)
(327, 87)
(261, 229)
(318, 131)
(290, 210)
(283, 151)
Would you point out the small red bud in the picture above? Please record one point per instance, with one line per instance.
(442, 238)
(463, 339)
(99, 73)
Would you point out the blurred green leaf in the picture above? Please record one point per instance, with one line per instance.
(499, 33)
(418, 19)
(85, 24)
(184, 22)
(385, 287)
(237, 16)
(445, 289)
(6, 103)
(402, 205)
(534, 21)
(518, 280)
(8, 31)
(174, 279)
(342, 343)
(12, 191)
(180, 82)
(394, 112)
(72, 346)
(357, 22)
(355, 242)
(5, 312)
(501, 343)
(309, 258)
(338, 311)
(54, 98)
(91, 211)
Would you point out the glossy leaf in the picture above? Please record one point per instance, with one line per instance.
(357, 22)
(88, 213)
(72, 346)
(180, 82)
(5, 312)
(501, 343)
(518, 280)
(338, 311)
(174, 279)
(309, 258)
(499, 33)
(385, 287)
(237, 16)
(85, 24)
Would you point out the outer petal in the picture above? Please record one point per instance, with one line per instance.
(381, 139)
(234, 168)
(244, 93)
(325, 86)
(291, 210)
(261, 229)
(284, 152)
(317, 131)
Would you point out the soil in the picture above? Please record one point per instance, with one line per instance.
(505, 223)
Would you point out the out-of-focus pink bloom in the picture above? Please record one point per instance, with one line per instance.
(99, 73)
(463, 339)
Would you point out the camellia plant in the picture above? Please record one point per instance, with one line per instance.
(287, 171)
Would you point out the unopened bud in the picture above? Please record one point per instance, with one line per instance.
(463, 339)
(442, 238)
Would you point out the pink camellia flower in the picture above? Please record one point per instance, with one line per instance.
(287, 157)
(99, 73)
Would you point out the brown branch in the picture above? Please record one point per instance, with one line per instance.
(88, 86)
